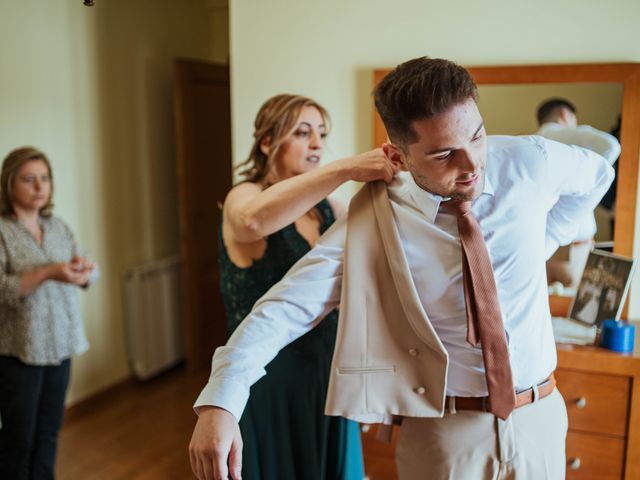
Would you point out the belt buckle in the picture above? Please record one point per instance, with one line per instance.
(536, 393)
(452, 405)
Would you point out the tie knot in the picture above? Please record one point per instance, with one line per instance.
(456, 207)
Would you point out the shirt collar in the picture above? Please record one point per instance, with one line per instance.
(550, 126)
(429, 203)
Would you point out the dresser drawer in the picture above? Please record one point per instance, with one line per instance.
(591, 456)
(595, 402)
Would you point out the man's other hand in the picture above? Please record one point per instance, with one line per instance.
(215, 450)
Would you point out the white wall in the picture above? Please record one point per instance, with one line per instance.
(92, 87)
(328, 49)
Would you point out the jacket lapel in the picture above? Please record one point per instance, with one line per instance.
(400, 272)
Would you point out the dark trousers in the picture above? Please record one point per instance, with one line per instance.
(31, 412)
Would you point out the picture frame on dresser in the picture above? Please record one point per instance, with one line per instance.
(603, 288)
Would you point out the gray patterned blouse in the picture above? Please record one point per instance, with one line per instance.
(43, 327)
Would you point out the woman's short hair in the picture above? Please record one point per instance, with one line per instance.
(275, 121)
(10, 166)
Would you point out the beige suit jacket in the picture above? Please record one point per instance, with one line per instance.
(388, 358)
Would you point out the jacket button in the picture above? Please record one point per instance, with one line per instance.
(413, 352)
(421, 390)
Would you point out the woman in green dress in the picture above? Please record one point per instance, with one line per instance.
(270, 220)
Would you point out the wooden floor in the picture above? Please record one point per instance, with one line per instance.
(141, 431)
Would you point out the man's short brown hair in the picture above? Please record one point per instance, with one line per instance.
(420, 89)
(550, 109)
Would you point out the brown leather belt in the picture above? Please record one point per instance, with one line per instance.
(477, 403)
(522, 398)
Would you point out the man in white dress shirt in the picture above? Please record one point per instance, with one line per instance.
(526, 193)
(557, 120)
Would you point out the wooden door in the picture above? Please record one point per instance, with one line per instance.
(203, 131)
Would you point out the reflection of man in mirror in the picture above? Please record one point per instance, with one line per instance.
(558, 121)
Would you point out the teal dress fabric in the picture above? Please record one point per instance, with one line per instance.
(285, 432)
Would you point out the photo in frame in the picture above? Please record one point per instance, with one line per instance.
(603, 288)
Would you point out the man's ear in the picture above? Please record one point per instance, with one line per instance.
(569, 118)
(395, 155)
(265, 145)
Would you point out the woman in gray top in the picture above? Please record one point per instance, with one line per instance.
(40, 326)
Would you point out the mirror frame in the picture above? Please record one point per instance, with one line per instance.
(628, 74)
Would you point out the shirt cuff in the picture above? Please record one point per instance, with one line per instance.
(224, 393)
(10, 288)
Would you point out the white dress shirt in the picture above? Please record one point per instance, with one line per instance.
(534, 188)
(585, 136)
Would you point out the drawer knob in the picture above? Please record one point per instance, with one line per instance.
(365, 428)
(581, 402)
(575, 463)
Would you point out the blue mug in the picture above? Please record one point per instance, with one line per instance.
(617, 336)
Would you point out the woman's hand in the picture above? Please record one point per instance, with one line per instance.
(369, 166)
(75, 273)
(81, 264)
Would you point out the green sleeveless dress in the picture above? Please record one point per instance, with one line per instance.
(285, 432)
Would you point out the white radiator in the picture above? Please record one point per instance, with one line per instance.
(153, 317)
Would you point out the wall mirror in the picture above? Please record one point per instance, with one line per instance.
(509, 96)
(511, 110)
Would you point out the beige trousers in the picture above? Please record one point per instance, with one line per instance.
(469, 445)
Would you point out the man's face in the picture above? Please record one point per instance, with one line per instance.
(449, 157)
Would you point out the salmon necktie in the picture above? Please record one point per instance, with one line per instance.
(484, 318)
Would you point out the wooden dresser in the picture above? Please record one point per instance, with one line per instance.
(602, 392)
